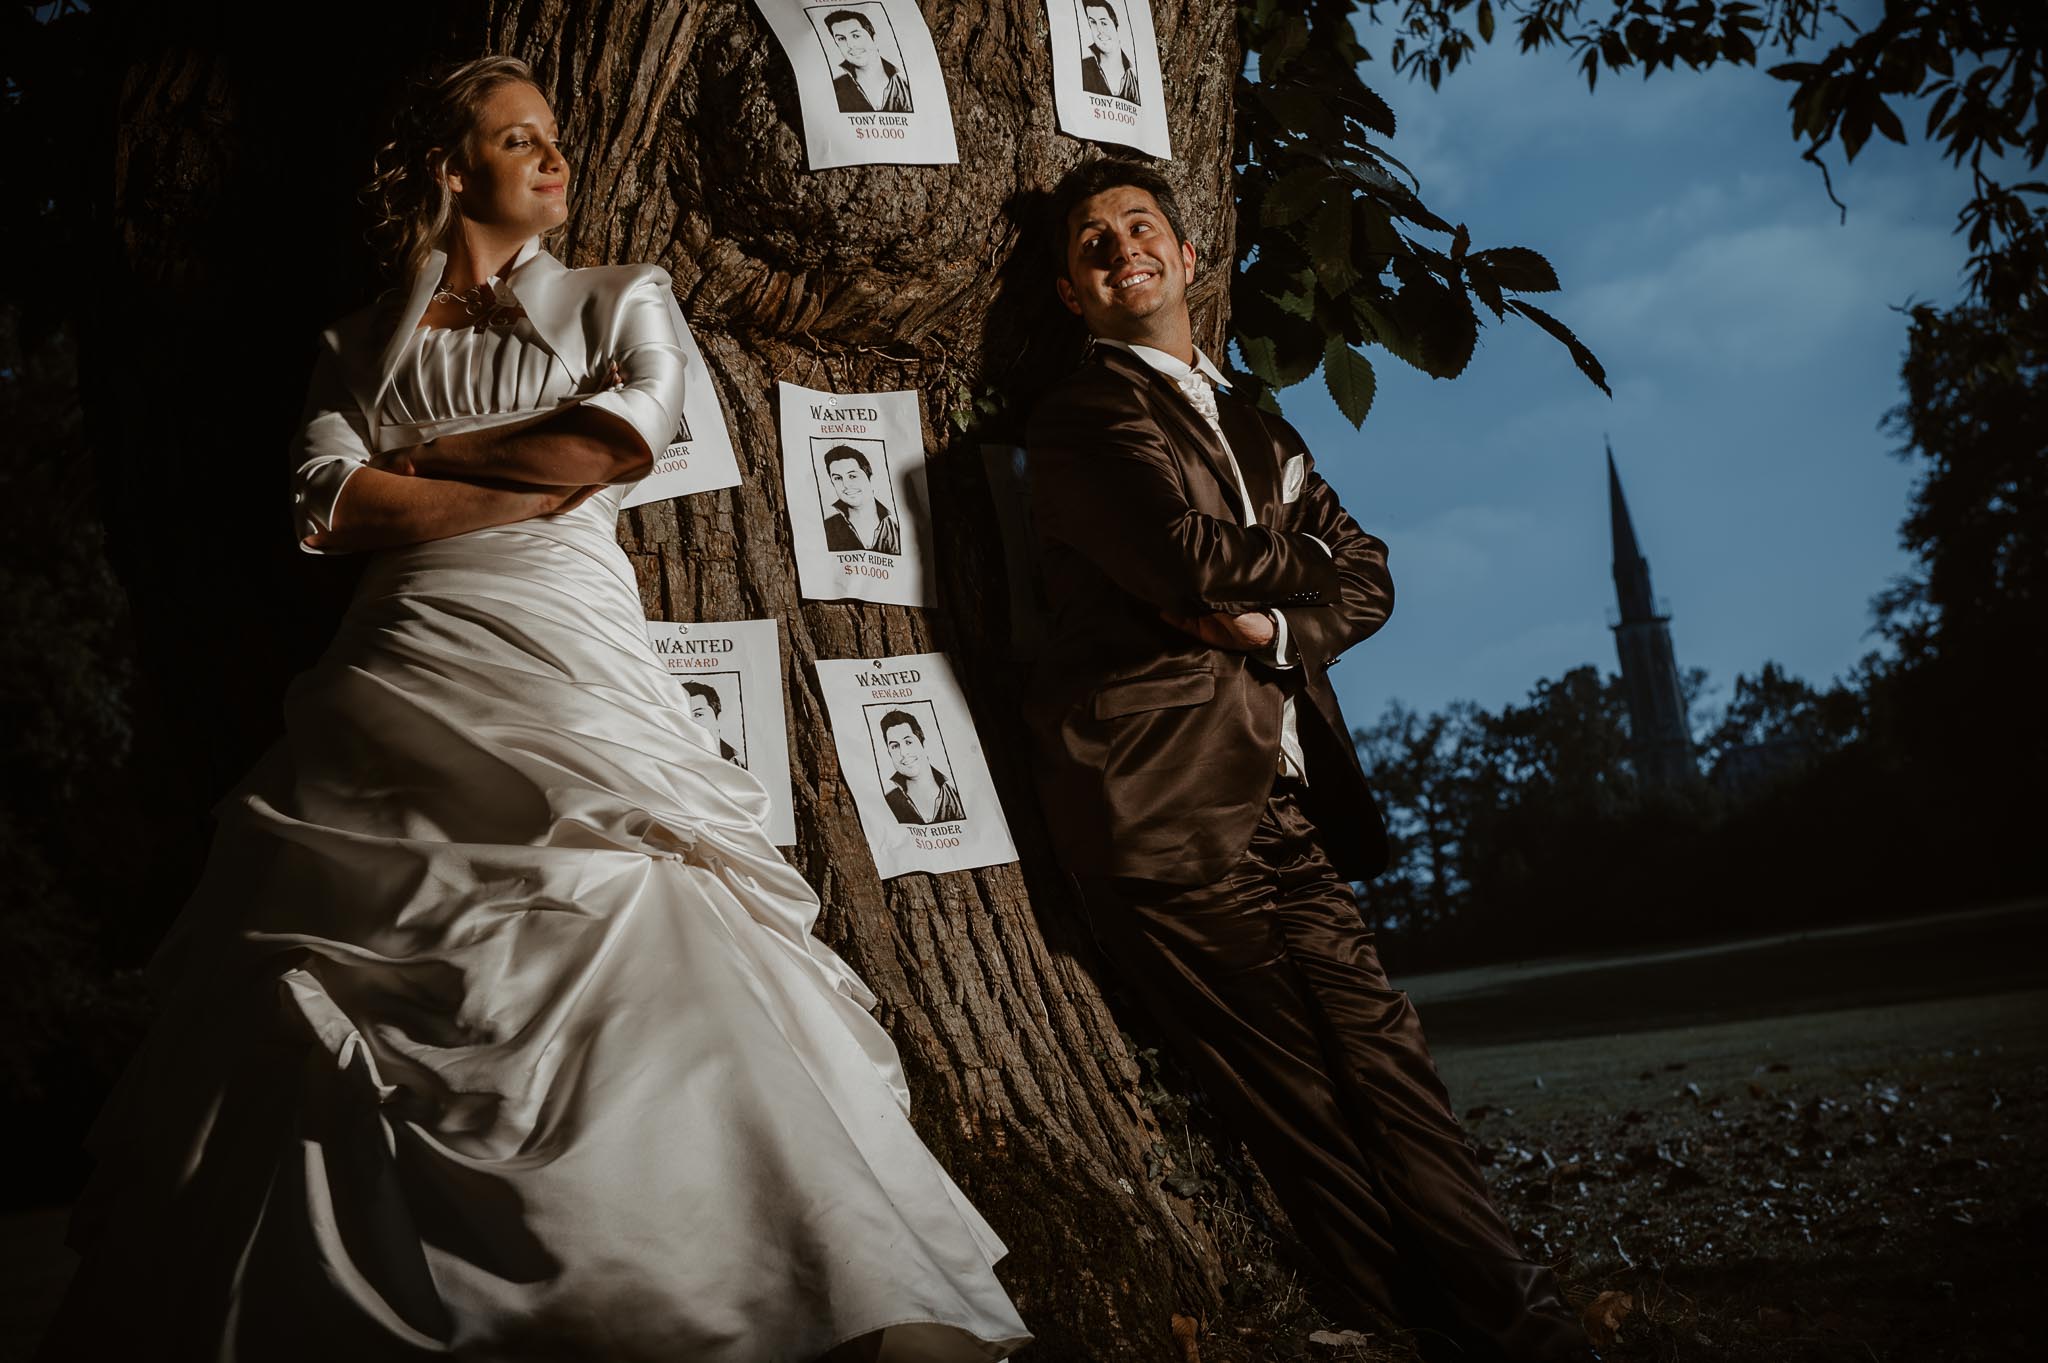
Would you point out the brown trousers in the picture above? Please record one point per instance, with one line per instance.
(1268, 984)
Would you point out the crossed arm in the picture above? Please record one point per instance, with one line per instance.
(348, 500)
(1363, 597)
(1105, 484)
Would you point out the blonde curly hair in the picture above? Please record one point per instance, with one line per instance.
(435, 125)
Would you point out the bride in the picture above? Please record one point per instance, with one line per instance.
(495, 1029)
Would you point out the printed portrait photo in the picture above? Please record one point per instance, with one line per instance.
(1108, 66)
(714, 701)
(855, 491)
(865, 59)
(682, 435)
(910, 754)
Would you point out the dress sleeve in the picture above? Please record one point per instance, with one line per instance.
(648, 353)
(333, 441)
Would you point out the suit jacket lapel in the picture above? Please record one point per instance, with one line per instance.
(1184, 425)
(1255, 456)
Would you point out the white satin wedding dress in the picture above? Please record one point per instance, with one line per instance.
(496, 1029)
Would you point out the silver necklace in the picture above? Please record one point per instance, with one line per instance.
(479, 305)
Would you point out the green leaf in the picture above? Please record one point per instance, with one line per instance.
(1485, 21)
(1855, 129)
(1287, 44)
(1888, 122)
(1349, 377)
(1329, 245)
(1297, 302)
(1297, 350)
(1940, 109)
(1582, 356)
(1364, 104)
(1518, 268)
(1295, 195)
(1391, 333)
(1448, 333)
(1260, 358)
(1486, 286)
(1303, 111)
(1375, 229)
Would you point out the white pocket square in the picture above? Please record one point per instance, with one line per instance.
(1293, 477)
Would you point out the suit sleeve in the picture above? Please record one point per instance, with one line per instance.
(1105, 485)
(648, 351)
(1364, 595)
(333, 441)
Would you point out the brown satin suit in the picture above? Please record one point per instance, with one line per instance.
(1221, 893)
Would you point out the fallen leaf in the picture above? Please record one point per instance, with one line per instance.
(1603, 1316)
(1772, 1321)
(1339, 1339)
(1184, 1328)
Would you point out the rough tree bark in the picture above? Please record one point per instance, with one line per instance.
(232, 237)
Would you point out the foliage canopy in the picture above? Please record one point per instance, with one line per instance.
(1337, 251)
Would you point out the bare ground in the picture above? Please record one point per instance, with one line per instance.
(1797, 1183)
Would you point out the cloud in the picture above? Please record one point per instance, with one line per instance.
(1504, 109)
(1763, 296)
(1462, 548)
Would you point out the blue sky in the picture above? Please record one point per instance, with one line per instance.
(1751, 343)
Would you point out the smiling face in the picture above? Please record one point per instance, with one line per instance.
(906, 750)
(1102, 34)
(856, 45)
(512, 177)
(849, 484)
(1127, 277)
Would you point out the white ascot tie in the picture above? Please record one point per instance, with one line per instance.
(1201, 395)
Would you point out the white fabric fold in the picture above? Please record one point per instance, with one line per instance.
(497, 1028)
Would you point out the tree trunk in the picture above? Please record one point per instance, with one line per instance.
(234, 237)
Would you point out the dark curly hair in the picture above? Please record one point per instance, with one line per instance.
(1093, 177)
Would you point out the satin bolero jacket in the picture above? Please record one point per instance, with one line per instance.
(590, 319)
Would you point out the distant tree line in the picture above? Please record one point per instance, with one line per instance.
(1914, 784)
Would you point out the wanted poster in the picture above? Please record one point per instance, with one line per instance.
(729, 676)
(699, 457)
(853, 477)
(1105, 73)
(868, 78)
(909, 753)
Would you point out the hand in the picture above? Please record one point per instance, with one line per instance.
(394, 461)
(1246, 633)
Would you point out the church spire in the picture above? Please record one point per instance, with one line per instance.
(1660, 736)
(1631, 569)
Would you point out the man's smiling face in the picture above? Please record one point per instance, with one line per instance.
(854, 42)
(1126, 271)
(849, 484)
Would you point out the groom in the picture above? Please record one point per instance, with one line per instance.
(1200, 784)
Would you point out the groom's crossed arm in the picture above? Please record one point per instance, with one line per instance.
(1363, 597)
(1105, 484)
